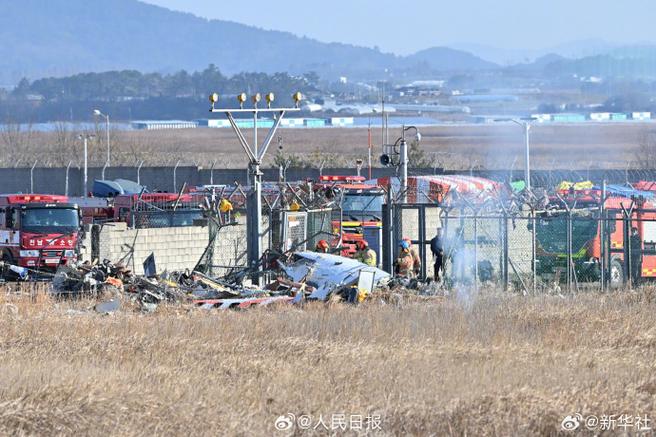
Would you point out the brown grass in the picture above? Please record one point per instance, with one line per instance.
(500, 365)
(454, 147)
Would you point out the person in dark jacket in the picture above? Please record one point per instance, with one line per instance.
(636, 256)
(437, 248)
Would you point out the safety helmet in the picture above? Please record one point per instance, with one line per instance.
(404, 244)
(408, 240)
(225, 205)
(323, 245)
(362, 244)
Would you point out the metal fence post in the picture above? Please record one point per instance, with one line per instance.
(175, 170)
(476, 250)
(505, 253)
(212, 172)
(32, 177)
(68, 167)
(139, 172)
(602, 239)
(569, 250)
(387, 261)
(422, 239)
(533, 251)
(102, 174)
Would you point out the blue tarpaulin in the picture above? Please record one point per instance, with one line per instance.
(624, 191)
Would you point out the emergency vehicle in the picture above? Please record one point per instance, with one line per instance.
(361, 211)
(587, 238)
(39, 231)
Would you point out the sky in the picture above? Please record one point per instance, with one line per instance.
(411, 25)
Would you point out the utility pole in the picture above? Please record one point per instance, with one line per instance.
(255, 154)
(403, 160)
(527, 133)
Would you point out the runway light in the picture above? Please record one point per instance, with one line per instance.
(270, 97)
(214, 98)
(257, 98)
(297, 97)
(241, 98)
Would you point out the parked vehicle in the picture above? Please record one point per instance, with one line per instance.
(39, 231)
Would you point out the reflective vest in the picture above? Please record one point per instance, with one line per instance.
(405, 264)
(368, 257)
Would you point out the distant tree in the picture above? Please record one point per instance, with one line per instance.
(22, 89)
(628, 102)
(312, 78)
(65, 145)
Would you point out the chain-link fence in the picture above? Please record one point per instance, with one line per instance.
(551, 251)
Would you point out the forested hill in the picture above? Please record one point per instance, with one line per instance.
(63, 37)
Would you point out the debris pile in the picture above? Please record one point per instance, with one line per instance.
(297, 277)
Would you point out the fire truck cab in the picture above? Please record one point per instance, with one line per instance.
(38, 231)
(361, 210)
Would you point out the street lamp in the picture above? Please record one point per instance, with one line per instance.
(86, 138)
(525, 123)
(100, 114)
(390, 153)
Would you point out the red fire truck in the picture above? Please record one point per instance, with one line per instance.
(38, 231)
(362, 206)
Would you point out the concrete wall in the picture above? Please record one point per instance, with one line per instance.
(174, 248)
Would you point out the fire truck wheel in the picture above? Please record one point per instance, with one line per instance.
(616, 274)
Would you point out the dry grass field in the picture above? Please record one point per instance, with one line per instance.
(492, 365)
(453, 147)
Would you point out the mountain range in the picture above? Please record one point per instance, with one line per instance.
(42, 38)
(62, 37)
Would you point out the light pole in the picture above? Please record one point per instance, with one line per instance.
(255, 154)
(68, 167)
(403, 160)
(390, 154)
(139, 172)
(98, 113)
(525, 123)
(86, 138)
(32, 177)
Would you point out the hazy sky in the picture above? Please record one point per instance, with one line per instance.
(406, 26)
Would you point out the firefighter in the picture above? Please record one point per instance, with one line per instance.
(404, 264)
(225, 206)
(416, 261)
(322, 246)
(365, 254)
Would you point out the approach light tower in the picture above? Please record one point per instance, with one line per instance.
(255, 154)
